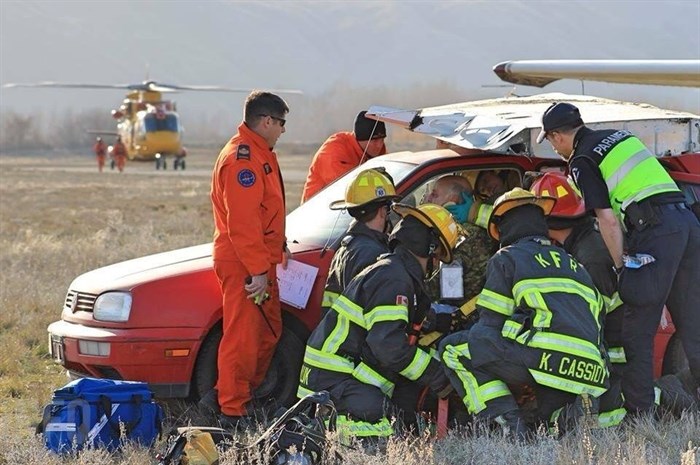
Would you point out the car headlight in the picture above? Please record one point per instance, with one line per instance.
(112, 306)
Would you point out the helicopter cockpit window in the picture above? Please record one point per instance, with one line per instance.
(164, 123)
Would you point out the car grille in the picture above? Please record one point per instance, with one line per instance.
(82, 301)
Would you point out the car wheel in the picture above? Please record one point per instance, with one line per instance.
(205, 369)
(282, 379)
(675, 360)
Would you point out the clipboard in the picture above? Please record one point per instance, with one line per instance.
(296, 283)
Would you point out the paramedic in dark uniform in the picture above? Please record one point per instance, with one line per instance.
(367, 199)
(639, 207)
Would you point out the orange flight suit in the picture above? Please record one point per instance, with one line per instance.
(247, 195)
(339, 154)
(119, 154)
(100, 150)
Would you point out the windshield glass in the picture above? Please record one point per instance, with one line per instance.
(313, 223)
(165, 123)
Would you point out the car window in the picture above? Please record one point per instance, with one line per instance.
(509, 178)
(690, 191)
(314, 223)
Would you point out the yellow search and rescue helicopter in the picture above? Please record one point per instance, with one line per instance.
(148, 124)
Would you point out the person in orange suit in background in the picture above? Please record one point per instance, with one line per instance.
(100, 150)
(344, 151)
(248, 201)
(119, 153)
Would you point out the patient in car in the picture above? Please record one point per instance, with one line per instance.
(455, 193)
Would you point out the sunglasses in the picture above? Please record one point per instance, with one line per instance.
(282, 121)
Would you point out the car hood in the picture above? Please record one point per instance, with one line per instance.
(128, 274)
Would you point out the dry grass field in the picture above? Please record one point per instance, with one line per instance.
(60, 218)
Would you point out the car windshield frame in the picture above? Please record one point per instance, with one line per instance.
(314, 223)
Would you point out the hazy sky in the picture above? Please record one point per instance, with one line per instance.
(316, 45)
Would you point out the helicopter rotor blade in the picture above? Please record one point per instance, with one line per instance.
(166, 87)
(144, 86)
(67, 85)
(100, 132)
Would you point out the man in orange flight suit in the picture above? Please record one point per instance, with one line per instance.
(100, 150)
(119, 153)
(247, 196)
(344, 151)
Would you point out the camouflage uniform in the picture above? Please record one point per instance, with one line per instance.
(474, 253)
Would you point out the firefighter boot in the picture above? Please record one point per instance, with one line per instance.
(513, 425)
(582, 411)
(236, 423)
(209, 403)
(674, 398)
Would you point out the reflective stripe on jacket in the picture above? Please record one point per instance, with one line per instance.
(364, 335)
(630, 171)
(359, 248)
(543, 299)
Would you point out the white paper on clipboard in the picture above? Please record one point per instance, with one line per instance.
(296, 282)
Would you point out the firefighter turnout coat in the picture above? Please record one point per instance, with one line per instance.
(364, 336)
(358, 249)
(538, 308)
(586, 245)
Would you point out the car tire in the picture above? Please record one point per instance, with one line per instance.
(675, 360)
(282, 380)
(280, 385)
(205, 369)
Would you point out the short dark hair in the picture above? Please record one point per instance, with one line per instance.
(260, 103)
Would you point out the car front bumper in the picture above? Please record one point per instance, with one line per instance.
(162, 357)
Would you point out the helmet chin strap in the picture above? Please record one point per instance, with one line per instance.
(430, 270)
(388, 226)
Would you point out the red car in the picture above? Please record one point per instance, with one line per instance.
(158, 318)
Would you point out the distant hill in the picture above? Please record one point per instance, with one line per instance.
(344, 55)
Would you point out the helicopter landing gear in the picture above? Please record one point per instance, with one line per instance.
(179, 163)
(160, 162)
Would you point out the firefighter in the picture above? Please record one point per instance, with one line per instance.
(360, 350)
(539, 325)
(100, 149)
(638, 205)
(249, 214)
(491, 184)
(119, 154)
(455, 193)
(367, 199)
(344, 151)
(575, 231)
(572, 228)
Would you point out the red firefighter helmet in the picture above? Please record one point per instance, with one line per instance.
(569, 202)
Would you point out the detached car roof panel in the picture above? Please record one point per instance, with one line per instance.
(510, 125)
